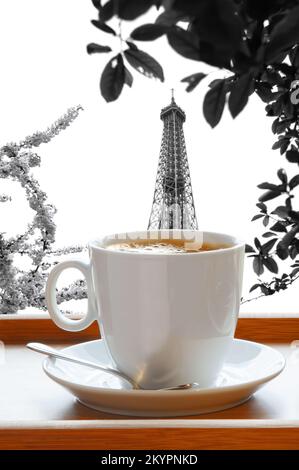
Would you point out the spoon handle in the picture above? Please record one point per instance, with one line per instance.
(49, 351)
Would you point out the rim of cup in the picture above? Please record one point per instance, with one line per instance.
(101, 243)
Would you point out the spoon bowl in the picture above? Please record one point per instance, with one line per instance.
(53, 352)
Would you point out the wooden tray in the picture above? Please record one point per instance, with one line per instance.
(36, 413)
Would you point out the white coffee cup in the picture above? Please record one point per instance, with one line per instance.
(166, 319)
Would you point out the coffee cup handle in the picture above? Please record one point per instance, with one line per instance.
(61, 320)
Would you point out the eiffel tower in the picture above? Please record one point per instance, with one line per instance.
(173, 205)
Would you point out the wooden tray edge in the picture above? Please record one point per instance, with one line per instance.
(261, 329)
(175, 423)
(151, 438)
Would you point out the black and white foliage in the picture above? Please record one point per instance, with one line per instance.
(21, 288)
(256, 45)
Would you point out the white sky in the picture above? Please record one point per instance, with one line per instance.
(100, 173)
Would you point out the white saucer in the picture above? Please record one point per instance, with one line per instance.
(248, 367)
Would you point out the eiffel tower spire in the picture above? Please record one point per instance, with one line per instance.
(173, 205)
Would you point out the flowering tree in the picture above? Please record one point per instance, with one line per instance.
(18, 288)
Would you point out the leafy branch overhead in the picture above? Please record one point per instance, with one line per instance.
(116, 74)
(232, 35)
(255, 46)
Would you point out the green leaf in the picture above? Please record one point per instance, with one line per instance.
(193, 80)
(284, 34)
(184, 43)
(239, 94)
(113, 79)
(214, 102)
(149, 32)
(144, 63)
(249, 249)
(266, 220)
(93, 48)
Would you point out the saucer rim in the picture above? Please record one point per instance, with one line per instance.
(152, 392)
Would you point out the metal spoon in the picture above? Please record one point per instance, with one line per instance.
(50, 351)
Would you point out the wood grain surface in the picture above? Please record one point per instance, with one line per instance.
(263, 329)
(161, 438)
(36, 413)
(24, 330)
